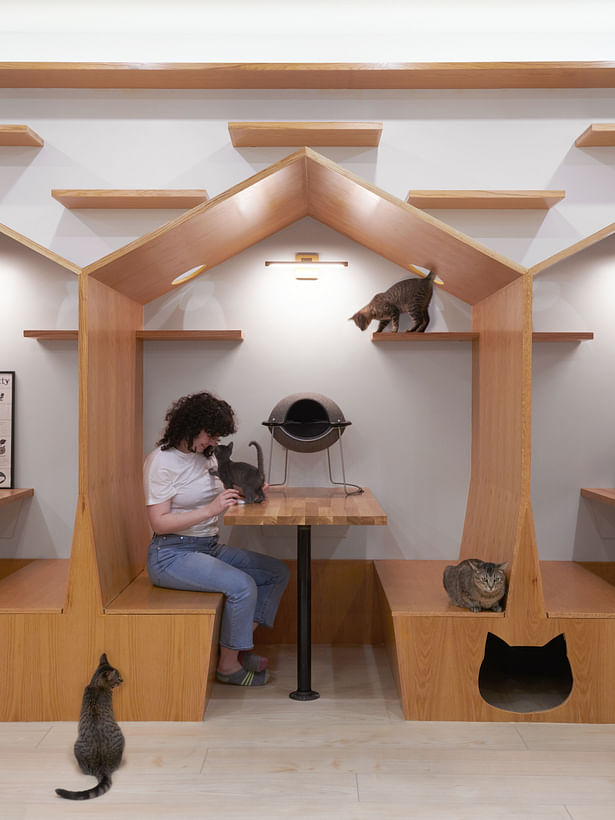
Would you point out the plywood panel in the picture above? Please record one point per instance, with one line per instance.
(209, 234)
(110, 367)
(403, 234)
(345, 609)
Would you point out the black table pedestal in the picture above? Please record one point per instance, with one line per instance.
(304, 689)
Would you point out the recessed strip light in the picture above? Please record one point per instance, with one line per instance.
(189, 274)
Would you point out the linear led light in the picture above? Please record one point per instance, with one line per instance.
(189, 274)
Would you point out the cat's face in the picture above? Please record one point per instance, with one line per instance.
(488, 576)
(108, 675)
(223, 451)
(361, 319)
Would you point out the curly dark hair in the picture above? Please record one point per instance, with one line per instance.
(190, 415)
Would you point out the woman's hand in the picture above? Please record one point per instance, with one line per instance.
(222, 502)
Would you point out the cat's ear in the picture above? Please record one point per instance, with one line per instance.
(103, 658)
(502, 566)
(475, 563)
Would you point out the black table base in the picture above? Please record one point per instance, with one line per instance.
(304, 689)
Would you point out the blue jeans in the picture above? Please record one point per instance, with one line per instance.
(253, 583)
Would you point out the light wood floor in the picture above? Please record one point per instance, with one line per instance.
(350, 754)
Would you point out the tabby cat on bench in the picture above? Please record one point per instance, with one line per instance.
(476, 584)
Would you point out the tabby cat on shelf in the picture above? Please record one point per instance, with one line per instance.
(100, 742)
(411, 296)
(249, 479)
(476, 584)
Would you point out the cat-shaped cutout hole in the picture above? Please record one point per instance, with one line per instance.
(525, 678)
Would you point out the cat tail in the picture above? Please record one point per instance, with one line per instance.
(259, 458)
(96, 791)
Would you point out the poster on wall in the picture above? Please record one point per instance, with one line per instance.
(7, 406)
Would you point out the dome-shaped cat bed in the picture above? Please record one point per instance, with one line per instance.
(308, 423)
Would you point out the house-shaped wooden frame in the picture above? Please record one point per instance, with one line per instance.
(162, 639)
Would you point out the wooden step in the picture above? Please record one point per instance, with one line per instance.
(253, 134)
(74, 199)
(571, 590)
(417, 338)
(485, 200)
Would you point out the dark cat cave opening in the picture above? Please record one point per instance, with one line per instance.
(525, 678)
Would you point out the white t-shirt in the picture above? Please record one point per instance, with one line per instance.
(185, 480)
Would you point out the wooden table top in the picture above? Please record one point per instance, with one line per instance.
(309, 505)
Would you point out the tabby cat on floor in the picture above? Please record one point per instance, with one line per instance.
(100, 742)
(411, 296)
(476, 584)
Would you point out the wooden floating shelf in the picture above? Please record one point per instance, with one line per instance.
(436, 336)
(262, 134)
(187, 335)
(561, 337)
(517, 74)
(19, 135)
(8, 496)
(454, 336)
(598, 134)
(148, 335)
(51, 334)
(529, 200)
(148, 198)
(606, 496)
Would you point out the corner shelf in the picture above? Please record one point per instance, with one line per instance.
(606, 496)
(531, 200)
(8, 496)
(19, 135)
(124, 198)
(273, 134)
(597, 134)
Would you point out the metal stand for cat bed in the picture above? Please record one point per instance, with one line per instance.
(339, 426)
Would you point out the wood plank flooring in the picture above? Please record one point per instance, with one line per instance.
(347, 756)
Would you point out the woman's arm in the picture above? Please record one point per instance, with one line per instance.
(163, 521)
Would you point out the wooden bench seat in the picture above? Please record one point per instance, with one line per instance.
(575, 590)
(415, 588)
(141, 597)
(37, 585)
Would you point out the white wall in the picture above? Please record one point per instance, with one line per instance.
(299, 31)
(38, 294)
(417, 459)
(573, 435)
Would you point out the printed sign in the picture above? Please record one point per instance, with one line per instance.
(7, 408)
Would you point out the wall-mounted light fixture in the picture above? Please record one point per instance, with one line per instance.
(189, 274)
(305, 264)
